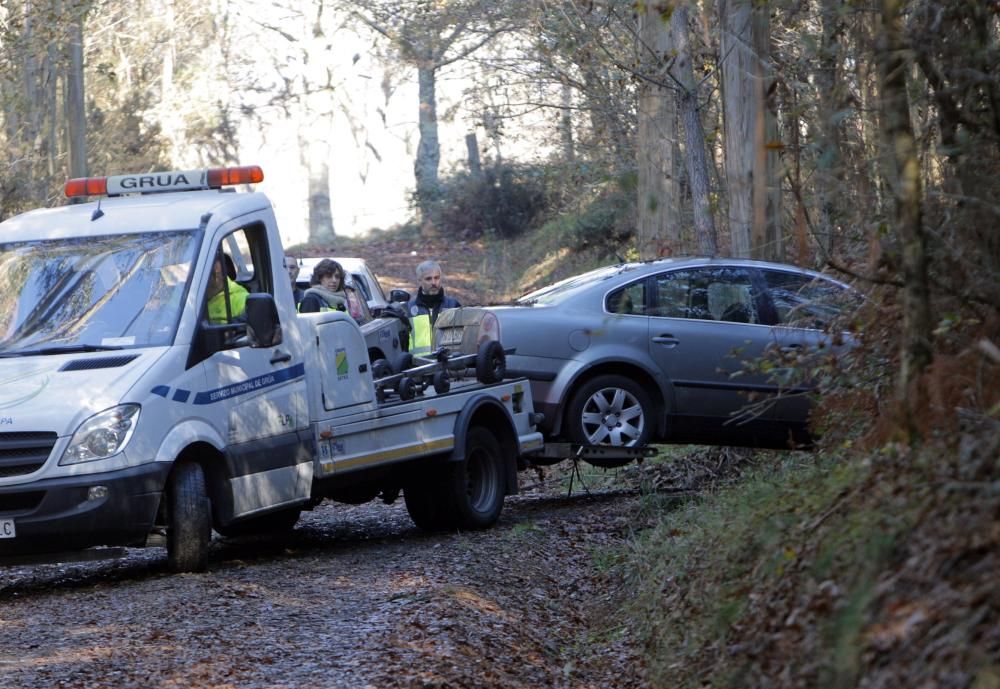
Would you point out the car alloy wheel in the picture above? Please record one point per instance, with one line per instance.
(612, 411)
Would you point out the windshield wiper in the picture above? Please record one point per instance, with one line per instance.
(59, 349)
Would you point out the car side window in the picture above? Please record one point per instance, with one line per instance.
(805, 301)
(717, 293)
(629, 300)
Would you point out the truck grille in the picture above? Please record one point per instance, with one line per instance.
(23, 453)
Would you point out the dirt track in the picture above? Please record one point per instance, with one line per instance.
(355, 597)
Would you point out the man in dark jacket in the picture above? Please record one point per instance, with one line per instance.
(425, 307)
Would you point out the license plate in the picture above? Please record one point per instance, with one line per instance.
(450, 336)
(7, 528)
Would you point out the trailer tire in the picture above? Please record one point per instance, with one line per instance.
(491, 362)
(189, 519)
(442, 383)
(406, 388)
(476, 486)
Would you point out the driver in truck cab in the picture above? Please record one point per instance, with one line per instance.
(227, 298)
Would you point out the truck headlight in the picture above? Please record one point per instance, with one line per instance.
(102, 435)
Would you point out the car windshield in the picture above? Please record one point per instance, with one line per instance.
(556, 292)
(93, 293)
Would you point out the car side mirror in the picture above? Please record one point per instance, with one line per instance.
(399, 295)
(263, 326)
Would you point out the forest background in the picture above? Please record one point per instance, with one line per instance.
(860, 137)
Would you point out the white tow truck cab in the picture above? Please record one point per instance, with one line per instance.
(156, 383)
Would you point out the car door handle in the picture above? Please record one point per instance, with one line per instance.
(791, 348)
(667, 340)
(280, 356)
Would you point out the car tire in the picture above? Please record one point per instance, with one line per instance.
(189, 519)
(610, 399)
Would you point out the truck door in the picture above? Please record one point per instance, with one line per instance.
(254, 396)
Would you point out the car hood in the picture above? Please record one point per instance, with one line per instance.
(57, 392)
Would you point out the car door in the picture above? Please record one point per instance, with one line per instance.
(805, 305)
(705, 324)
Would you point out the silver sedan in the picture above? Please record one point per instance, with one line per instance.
(663, 350)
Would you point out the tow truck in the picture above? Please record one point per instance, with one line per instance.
(156, 384)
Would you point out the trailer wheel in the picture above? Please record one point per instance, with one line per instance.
(406, 388)
(189, 519)
(476, 484)
(442, 383)
(491, 362)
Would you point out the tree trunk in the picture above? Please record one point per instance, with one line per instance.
(566, 125)
(916, 345)
(425, 168)
(658, 188)
(737, 71)
(316, 157)
(694, 136)
(752, 166)
(829, 161)
(75, 113)
(472, 147)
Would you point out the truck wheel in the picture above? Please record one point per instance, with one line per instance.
(610, 410)
(273, 523)
(189, 519)
(491, 362)
(425, 503)
(476, 485)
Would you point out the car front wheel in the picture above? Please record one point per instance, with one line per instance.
(612, 411)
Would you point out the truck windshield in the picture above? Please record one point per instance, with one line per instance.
(92, 293)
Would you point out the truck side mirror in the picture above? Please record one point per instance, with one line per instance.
(263, 327)
(399, 295)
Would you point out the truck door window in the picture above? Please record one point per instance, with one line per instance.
(241, 267)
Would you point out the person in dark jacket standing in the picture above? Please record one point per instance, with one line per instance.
(425, 307)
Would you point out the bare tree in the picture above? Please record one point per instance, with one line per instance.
(429, 37)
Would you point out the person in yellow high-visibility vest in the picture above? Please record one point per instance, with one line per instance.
(219, 285)
(425, 307)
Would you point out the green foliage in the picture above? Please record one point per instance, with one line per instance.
(709, 572)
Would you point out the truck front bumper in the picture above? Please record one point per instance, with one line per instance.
(114, 508)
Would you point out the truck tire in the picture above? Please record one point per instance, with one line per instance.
(491, 362)
(425, 503)
(475, 486)
(272, 523)
(381, 368)
(610, 411)
(189, 519)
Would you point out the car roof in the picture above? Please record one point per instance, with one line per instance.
(128, 214)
